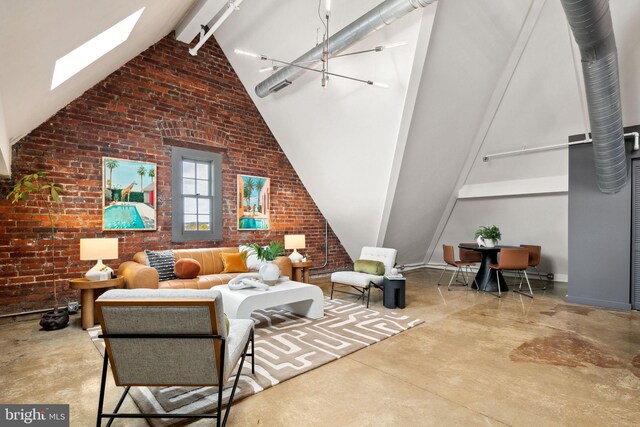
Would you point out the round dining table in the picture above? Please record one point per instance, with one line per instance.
(486, 278)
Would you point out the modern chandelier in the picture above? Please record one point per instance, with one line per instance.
(323, 69)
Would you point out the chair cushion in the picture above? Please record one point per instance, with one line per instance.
(234, 263)
(354, 278)
(369, 266)
(239, 332)
(386, 255)
(164, 262)
(187, 268)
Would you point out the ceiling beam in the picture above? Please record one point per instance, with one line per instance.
(202, 13)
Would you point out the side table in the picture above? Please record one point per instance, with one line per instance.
(89, 292)
(393, 290)
(301, 271)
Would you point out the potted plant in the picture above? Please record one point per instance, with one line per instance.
(44, 194)
(269, 272)
(488, 236)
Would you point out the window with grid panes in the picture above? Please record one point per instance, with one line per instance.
(196, 187)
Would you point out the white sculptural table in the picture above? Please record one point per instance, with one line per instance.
(296, 297)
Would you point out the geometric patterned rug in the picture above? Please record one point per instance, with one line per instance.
(286, 345)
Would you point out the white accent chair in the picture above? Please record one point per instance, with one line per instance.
(170, 337)
(362, 282)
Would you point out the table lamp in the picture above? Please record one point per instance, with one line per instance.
(97, 250)
(295, 242)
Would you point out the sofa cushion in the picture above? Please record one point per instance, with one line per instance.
(369, 266)
(201, 282)
(234, 263)
(163, 262)
(187, 268)
(209, 258)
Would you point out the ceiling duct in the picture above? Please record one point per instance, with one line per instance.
(381, 15)
(592, 28)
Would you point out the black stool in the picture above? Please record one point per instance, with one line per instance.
(393, 290)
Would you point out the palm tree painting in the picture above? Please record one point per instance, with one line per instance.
(254, 195)
(127, 203)
(110, 164)
(142, 171)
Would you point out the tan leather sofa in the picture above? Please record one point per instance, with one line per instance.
(138, 274)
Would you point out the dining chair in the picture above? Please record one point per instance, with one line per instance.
(449, 259)
(534, 260)
(513, 259)
(468, 255)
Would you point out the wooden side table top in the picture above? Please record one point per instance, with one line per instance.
(301, 264)
(83, 283)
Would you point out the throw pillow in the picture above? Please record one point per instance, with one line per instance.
(369, 267)
(234, 262)
(164, 262)
(253, 263)
(187, 268)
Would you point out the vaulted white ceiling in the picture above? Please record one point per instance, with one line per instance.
(385, 166)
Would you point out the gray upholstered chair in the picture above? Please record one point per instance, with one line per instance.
(170, 337)
(362, 282)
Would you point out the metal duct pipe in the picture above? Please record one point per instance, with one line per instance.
(381, 15)
(591, 24)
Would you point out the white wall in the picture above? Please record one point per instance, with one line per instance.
(543, 104)
(340, 140)
(5, 146)
(463, 65)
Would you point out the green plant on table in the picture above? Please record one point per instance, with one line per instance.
(269, 252)
(492, 233)
(44, 195)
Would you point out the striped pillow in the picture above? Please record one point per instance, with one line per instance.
(164, 262)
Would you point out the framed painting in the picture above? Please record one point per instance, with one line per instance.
(128, 194)
(254, 202)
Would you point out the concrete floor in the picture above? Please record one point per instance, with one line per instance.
(477, 360)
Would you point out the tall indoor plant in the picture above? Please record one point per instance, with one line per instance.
(269, 272)
(44, 193)
(488, 236)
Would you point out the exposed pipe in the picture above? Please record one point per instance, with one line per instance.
(590, 22)
(381, 15)
(326, 247)
(204, 36)
(486, 157)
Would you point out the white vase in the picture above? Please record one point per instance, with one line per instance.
(269, 273)
(490, 243)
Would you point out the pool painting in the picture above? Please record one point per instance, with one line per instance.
(254, 199)
(128, 195)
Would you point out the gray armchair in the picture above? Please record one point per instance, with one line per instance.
(170, 337)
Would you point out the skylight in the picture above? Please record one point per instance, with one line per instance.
(82, 56)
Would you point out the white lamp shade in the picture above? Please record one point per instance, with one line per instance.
(98, 249)
(294, 241)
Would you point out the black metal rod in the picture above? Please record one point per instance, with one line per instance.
(187, 336)
(103, 381)
(117, 408)
(159, 416)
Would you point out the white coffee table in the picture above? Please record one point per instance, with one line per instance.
(296, 297)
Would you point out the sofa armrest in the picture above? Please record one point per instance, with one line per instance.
(285, 266)
(138, 275)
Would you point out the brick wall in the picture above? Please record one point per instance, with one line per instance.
(162, 98)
